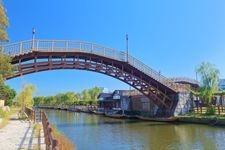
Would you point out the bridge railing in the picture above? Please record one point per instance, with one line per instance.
(78, 46)
(184, 79)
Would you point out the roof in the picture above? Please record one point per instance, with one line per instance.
(105, 95)
(127, 92)
(185, 80)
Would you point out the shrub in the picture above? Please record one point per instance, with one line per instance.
(210, 110)
(2, 113)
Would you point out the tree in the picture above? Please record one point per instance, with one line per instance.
(70, 98)
(6, 68)
(3, 23)
(25, 97)
(39, 100)
(94, 92)
(7, 94)
(5, 61)
(85, 96)
(209, 81)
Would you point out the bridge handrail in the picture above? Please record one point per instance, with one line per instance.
(24, 47)
(185, 79)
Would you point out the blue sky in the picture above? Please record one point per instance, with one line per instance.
(173, 36)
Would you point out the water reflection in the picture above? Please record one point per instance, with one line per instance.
(92, 132)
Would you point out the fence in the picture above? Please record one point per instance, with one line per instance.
(51, 142)
(219, 110)
(30, 113)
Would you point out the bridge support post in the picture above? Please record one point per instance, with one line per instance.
(184, 103)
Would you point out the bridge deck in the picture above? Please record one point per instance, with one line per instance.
(25, 47)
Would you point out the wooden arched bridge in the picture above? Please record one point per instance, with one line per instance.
(40, 55)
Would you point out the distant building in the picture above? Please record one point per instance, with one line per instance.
(117, 99)
(222, 84)
(128, 100)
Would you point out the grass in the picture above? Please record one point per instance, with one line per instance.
(65, 143)
(37, 129)
(205, 116)
(6, 115)
(36, 147)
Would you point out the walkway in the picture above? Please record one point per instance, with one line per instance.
(19, 135)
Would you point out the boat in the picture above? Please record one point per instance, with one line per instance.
(161, 119)
(76, 110)
(213, 122)
(130, 117)
(99, 111)
(114, 115)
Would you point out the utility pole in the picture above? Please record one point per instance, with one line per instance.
(128, 59)
(127, 46)
(33, 36)
(196, 74)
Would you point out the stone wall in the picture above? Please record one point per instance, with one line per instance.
(184, 104)
(2, 103)
(143, 104)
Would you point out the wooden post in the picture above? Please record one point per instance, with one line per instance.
(201, 109)
(55, 144)
(218, 109)
(34, 116)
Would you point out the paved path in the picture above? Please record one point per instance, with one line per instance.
(19, 135)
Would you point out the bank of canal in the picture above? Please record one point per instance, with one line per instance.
(88, 131)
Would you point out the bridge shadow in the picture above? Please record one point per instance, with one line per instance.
(23, 144)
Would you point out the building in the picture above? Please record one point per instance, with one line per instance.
(222, 84)
(105, 101)
(141, 104)
(129, 100)
(118, 99)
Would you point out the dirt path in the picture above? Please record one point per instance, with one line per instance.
(18, 135)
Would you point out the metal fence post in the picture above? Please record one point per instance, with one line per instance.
(21, 47)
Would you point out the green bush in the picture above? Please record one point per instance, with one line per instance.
(210, 110)
(2, 113)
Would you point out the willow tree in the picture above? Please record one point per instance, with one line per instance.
(3, 23)
(25, 97)
(209, 75)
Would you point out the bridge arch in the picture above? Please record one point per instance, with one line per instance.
(41, 55)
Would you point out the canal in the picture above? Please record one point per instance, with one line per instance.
(93, 132)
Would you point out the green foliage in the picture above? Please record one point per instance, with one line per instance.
(37, 129)
(87, 96)
(6, 68)
(5, 115)
(210, 110)
(3, 23)
(25, 97)
(2, 113)
(7, 94)
(209, 81)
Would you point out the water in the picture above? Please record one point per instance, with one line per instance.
(93, 132)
